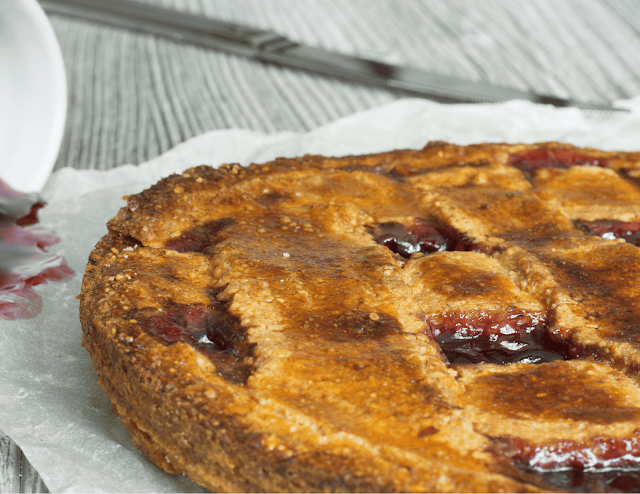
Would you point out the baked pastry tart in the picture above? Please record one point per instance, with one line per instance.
(445, 319)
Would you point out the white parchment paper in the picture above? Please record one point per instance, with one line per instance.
(50, 403)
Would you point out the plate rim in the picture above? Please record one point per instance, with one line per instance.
(33, 176)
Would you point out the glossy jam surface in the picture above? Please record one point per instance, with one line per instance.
(553, 158)
(24, 260)
(419, 237)
(611, 229)
(508, 338)
(200, 238)
(611, 454)
(596, 480)
(212, 330)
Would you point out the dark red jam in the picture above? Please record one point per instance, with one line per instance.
(24, 260)
(553, 158)
(498, 339)
(599, 454)
(612, 229)
(200, 238)
(419, 237)
(212, 330)
(624, 478)
(591, 480)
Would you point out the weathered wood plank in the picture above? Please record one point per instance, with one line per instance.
(144, 94)
(10, 456)
(16, 473)
(30, 481)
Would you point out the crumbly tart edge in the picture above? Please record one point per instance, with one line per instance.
(118, 358)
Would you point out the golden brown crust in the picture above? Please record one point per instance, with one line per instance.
(331, 379)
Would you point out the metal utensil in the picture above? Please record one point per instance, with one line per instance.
(271, 47)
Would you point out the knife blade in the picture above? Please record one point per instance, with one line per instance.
(271, 47)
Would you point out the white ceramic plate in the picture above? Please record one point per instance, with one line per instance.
(33, 95)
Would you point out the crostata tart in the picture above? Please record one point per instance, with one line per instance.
(446, 319)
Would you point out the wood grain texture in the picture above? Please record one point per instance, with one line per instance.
(16, 473)
(30, 480)
(9, 465)
(134, 96)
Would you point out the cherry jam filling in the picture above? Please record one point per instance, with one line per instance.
(200, 238)
(536, 159)
(498, 339)
(602, 480)
(420, 237)
(24, 260)
(212, 330)
(612, 229)
(606, 465)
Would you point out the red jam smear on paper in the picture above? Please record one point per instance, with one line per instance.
(612, 229)
(497, 339)
(420, 237)
(24, 260)
(536, 159)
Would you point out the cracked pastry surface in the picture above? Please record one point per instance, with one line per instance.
(446, 319)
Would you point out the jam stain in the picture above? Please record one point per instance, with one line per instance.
(612, 229)
(536, 159)
(428, 431)
(200, 238)
(212, 330)
(24, 260)
(17, 207)
(419, 237)
(498, 339)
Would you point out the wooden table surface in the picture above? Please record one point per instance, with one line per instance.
(134, 96)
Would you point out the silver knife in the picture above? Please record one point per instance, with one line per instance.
(271, 47)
